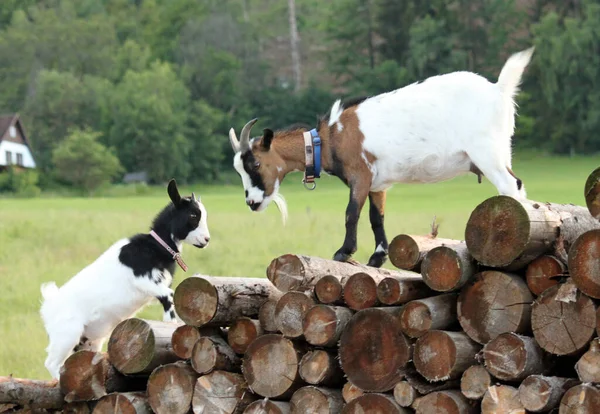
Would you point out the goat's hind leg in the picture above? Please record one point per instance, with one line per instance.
(499, 174)
(62, 344)
(358, 196)
(376, 213)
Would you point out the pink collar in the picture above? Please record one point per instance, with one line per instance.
(176, 255)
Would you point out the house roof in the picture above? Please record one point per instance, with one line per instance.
(8, 120)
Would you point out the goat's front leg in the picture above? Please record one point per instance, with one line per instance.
(358, 196)
(155, 286)
(376, 212)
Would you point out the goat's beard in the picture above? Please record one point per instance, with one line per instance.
(281, 204)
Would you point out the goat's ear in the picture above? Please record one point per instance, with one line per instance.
(267, 138)
(174, 192)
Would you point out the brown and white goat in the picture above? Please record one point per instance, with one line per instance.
(423, 133)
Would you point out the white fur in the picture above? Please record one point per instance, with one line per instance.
(432, 131)
(336, 112)
(200, 235)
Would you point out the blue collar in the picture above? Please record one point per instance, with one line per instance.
(312, 151)
(317, 144)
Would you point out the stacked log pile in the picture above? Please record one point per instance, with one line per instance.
(506, 321)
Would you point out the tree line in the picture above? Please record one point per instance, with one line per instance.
(112, 86)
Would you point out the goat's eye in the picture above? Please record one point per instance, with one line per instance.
(256, 165)
(193, 216)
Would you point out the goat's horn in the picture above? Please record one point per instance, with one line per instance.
(245, 135)
(194, 197)
(235, 144)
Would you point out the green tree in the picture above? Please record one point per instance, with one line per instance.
(83, 162)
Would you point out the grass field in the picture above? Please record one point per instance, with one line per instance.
(53, 238)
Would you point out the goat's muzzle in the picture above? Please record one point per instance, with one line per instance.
(253, 204)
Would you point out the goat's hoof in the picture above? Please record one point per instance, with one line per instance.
(340, 256)
(377, 259)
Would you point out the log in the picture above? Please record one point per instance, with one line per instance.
(503, 232)
(538, 393)
(290, 311)
(266, 314)
(123, 403)
(405, 394)
(374, 404)
(422, 315)
(398, 291)
(513, 357)
(319, 367)
(592, 193)
(329, 288)
(373, 351)
(448, 268)
(501, 399)
(323, 325)
(360, 290)
(213, 353)
(441, 355)
(494, 303)
(407, 251)
(268, 407)
(563, 328)
(270, 366)
(588, 366)
(316, 400)
(424, 387)
(137, 346)
(584, 263)
(580, 399)
(221, 392)
(449, 401)
(219, 301)
(543, 273)
(77, 407)
(185, 337)
(171, 387)
(350, 392)
(88, 375)
(475, 381)
(242, 332)
(292, 272)
(31, 393)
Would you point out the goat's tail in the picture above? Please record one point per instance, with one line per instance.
(510, 75)
(49, 290)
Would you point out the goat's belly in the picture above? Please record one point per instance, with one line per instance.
(104, 320)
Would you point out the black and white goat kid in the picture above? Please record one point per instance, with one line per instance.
(83, 312)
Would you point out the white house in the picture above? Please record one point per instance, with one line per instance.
(14, 145)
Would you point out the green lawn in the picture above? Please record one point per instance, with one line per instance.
(53, 238)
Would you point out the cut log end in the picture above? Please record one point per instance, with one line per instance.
(196, 301)
(538, 393)
(584, 263)
(450, 402)
(475, 381)
(445, 269)
(404, 252)
(221, 392)
(588, 366)
(501, 399)
(83, 376)
(213, 353)
(319, 367)
(374, 403)
(242, 332)
(405, 394)
(183, 340)
(583, 398)
(513, 357)
(268, 407)
(329, 290)
(290, 312)
(543, 273)
(592, 193)
(350, 392)
(360, 291)
(323, 325)
(171, 387)
(286, 272)
(397, 291)
(266, 316)
(314, 400)
(420, 316)
(123, 403)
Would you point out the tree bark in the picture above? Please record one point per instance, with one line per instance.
(295, 45)
(266, 312)
(405, 394)
(373, 351)
(123, 403)
(319, 367)
(301, 273)
(408, 251)
(185, 337)
(398, 291)
(374, 403)
(268, 407)
(494, 303)
(221, 392)
(503, 232)
(563, 328)
(449, 401)
(316, 400)
(539, 393)
(422, 315)
(323, 325)
(350, 392)
(242, 332)
(31, 393)
(441, 355)
(137, 346)
(270, 366)
(588, 366)
(88, 375)
(424, 387)
(582, 398)
(513, 357)
(501, 399)
(328, 289)
(584, 263)
(171, 387)
(212, 353)
(290, 311)
(219, 300)
(592, 193)
(475, 381)
(544, 272)
(360, 291)
(448, 268)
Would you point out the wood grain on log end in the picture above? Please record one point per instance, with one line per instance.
(544, 272)
(447, 402)
(242, 332)
(422, 315)
(592, 193)
(538, 393)
(266, 315)
(405, 394)
(213, 353)
(513, 357)
(501, 399)
(475, 381)
(268, 407)
(350, 392)
(360, 291)
(580, 399)
(397, 291)
(221, 392)
(286, 272)
(323, 324)
(319, 367)
(123, 403)
(196, 301)
(328, 290)
(316, 400)
(374, 404)
(446, 269)
(584, 263)
(588, 366)
(404, 252)
(171, 387)
(290, 311)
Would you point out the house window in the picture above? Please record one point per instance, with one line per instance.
(20, 159)
(8, 157)
(13, 132)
